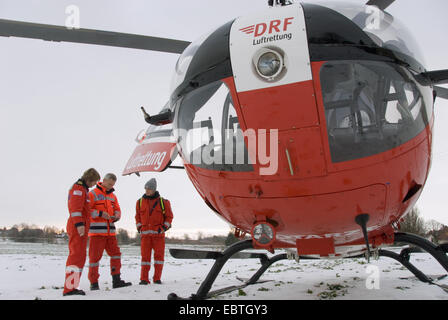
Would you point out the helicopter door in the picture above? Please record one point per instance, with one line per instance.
(156, 150)
(210, 136)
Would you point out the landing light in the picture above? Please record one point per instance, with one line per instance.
(268, 63)
(263, 234)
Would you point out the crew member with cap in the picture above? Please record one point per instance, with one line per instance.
(77, 229)
(105, 211)
(153, 218)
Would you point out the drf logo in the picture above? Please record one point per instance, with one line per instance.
(273, 26)
(373, 280)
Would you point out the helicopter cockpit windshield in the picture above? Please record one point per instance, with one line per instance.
(371, 107)
(184, 61)
(209, 132)
(385, 30)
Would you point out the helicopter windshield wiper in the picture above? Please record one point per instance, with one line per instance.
(160, 119)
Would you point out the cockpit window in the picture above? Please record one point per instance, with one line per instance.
(209, 132)
(386, 31)
(371, 107)
(184, 61)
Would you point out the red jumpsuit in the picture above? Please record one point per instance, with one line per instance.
(102, 231)
(79, 210)
(153, 216)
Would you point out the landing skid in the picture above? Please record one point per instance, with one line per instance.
(438, 252)
(225, 290)
(220, 259)
(234, 251)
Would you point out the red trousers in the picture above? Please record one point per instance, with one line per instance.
(96, 249)
(148, 244)
(77, 247)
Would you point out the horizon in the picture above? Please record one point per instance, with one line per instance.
(58, 96)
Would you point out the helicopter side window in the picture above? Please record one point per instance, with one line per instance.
(210, 135)
(370, 107)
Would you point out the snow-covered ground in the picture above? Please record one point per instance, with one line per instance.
(36, 271)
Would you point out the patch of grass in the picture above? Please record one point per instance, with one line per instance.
(309, 291)
(263, 289)
(402, 288)
(333, 291)
(241, 292)
(276, 271)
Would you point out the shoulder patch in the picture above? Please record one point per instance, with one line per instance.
(77, 193)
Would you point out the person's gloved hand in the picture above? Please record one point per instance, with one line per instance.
(104, 214)
(163, 229)
(139, 229)
(81, 230)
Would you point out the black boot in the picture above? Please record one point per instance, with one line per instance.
(118, 283)
(143, 282)
(94, 286)
(74, 292)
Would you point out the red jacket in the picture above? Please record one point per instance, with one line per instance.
(79, 204)
(103, 201)
(152, 214)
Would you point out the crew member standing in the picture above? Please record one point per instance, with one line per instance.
(105, 211)
(153, 218)
(77, 229)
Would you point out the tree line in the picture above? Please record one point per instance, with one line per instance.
(32, 233)
(433, 230)
(412, 223)
(123, 237)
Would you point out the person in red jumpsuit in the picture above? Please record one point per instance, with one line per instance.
(77, 229)
(105, 211)
(153, 218)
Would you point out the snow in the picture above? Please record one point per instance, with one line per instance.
(36, 271)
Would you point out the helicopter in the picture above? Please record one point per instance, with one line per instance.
(307, 126)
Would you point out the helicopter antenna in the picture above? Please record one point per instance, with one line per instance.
(273, 3)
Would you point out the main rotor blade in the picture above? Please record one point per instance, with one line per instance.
(432, 77)
(381, 4)
(441, 92)
(10, 28)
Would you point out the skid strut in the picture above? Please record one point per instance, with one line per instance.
(438, 252)
(220, 260)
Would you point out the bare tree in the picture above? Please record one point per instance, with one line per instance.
(413, 223)
(436, 230)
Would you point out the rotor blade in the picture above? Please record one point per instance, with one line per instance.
(441, 92)
(202, 254)
(381, 4)
(432, 77)
(10, 28)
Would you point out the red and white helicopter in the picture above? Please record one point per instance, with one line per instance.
(307, 126)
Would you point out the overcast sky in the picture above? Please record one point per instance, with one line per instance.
(66, 107)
